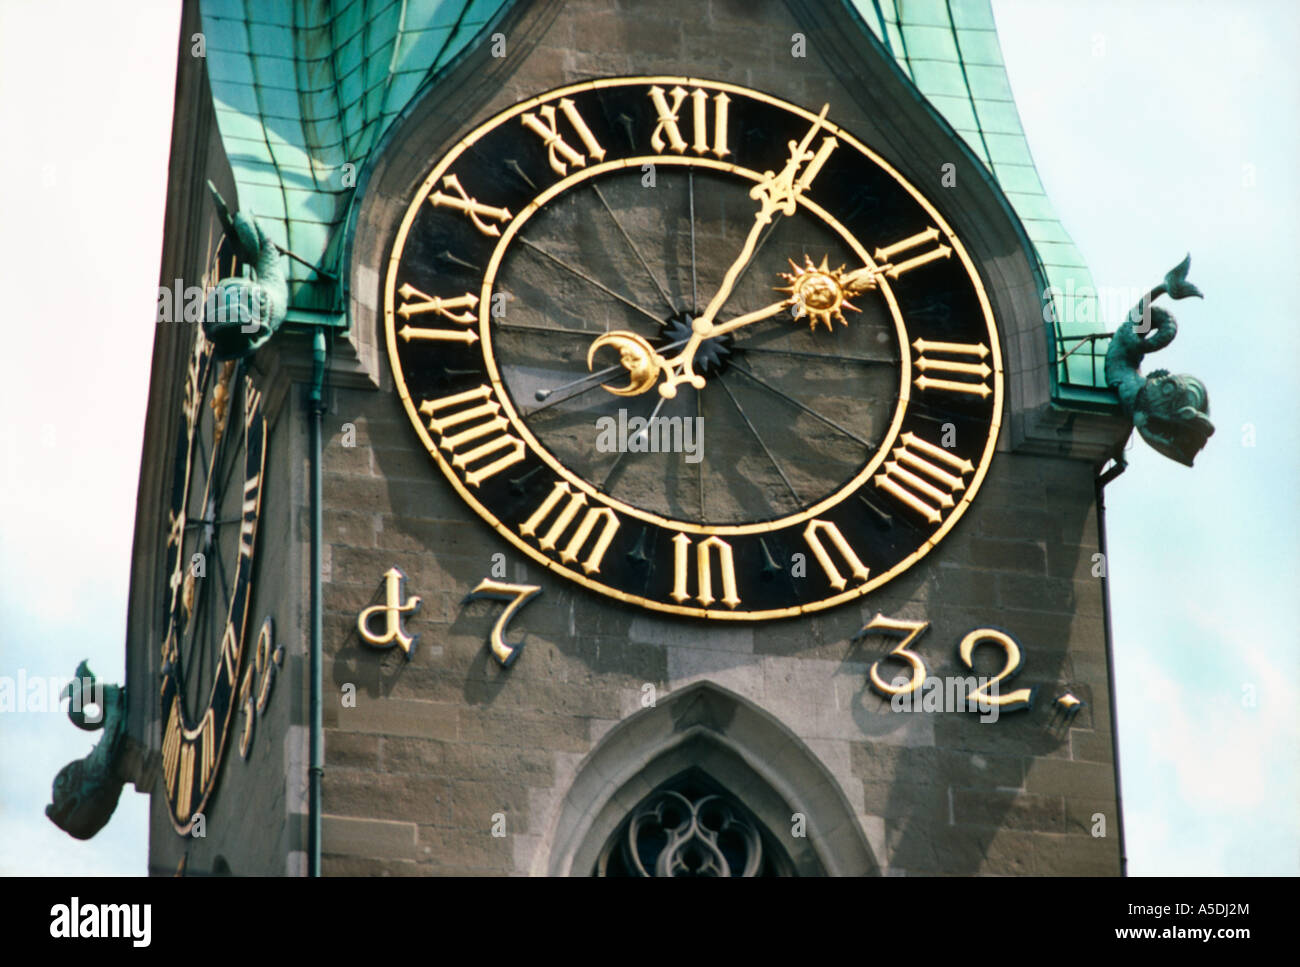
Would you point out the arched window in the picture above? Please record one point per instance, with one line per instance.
(692, 826)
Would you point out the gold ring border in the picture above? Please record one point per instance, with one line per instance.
(399, 379)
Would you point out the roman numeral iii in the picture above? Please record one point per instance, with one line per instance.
(955, 375)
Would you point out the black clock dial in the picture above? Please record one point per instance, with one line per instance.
(215, 505)
(639, 265)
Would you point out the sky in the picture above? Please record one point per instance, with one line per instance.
(1158, 129)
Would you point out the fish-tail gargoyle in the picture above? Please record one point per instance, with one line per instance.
(242, 314)
(86, 791)
(1172, 412)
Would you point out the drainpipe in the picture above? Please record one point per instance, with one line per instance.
(1115, 471)
(316, 409)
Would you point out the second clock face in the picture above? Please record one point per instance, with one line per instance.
(693, 347)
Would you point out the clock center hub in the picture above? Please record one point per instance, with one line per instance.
(712, 356)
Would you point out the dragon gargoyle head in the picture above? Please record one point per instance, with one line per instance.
(243, 313)
(1173, 415)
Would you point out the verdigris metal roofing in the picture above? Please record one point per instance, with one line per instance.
(304, 91)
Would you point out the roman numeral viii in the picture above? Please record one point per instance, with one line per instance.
(480, 445)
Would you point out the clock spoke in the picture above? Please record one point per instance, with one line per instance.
(754, 431)
(776, 220)
(695, 297)
(591, 281)
(672, 309)
(203, 451)
(803, 406)
(824, 357)
(194, 661)
(558, 330)
(227, 447)
(699, 467)
(624, 452)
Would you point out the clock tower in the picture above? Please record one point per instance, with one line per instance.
(621, 439)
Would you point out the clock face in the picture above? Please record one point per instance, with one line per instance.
(693, 347)
(215, 504)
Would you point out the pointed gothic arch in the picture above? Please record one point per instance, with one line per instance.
(742, 749)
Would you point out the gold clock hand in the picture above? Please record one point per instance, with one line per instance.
(775, 193)
(749, 318)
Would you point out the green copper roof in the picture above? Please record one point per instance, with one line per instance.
(305, 88)
(949, 50)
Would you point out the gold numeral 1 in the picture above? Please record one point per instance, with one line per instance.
(854, 563)
(185, 780)
(248, 522)
(668, 124)
(560, 525)
(461, 202)
(171, 747)
(704, 571)
(558, 151)
(931, 497)
(207, 749)
(884, 255)
(492, 428)
(928, 364)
